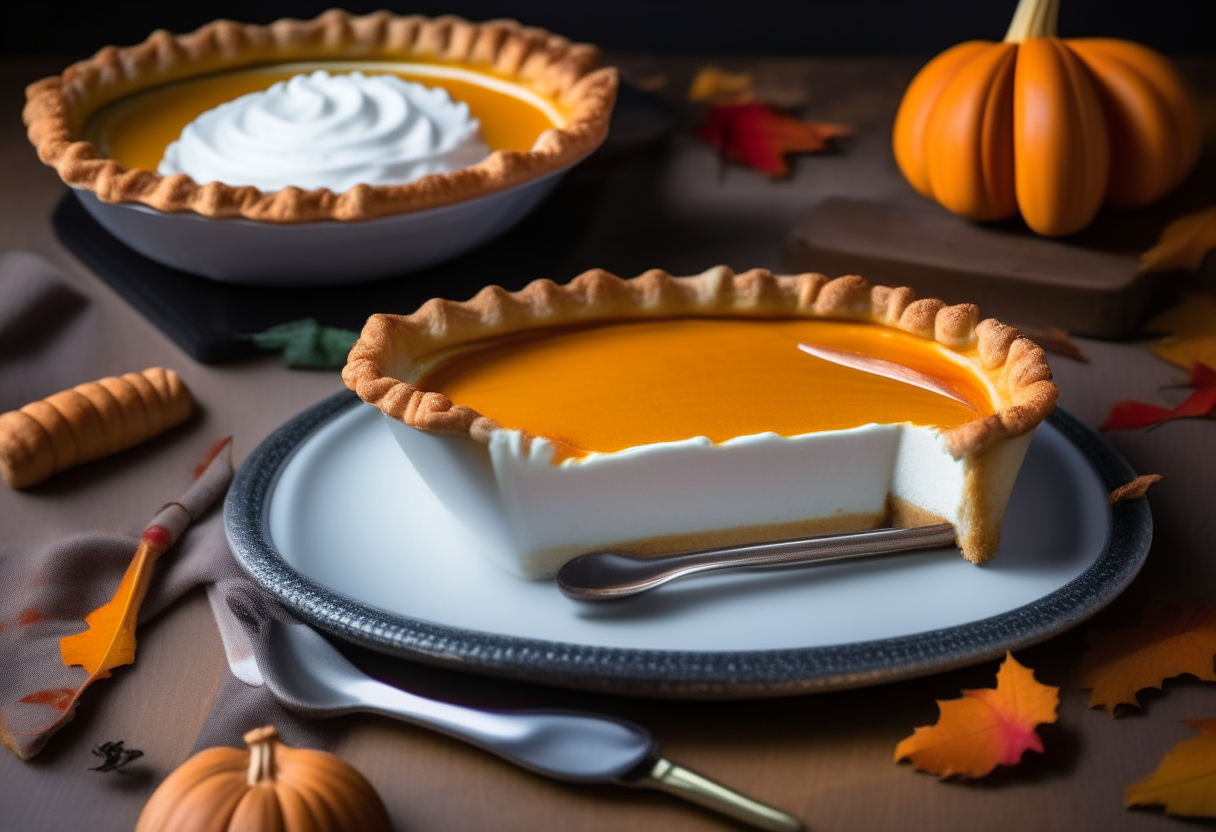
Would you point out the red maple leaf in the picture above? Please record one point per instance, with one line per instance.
(760, 136)
(1132, 414)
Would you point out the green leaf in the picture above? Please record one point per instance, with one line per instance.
(305, 343)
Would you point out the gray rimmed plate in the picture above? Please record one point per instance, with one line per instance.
(328, 516)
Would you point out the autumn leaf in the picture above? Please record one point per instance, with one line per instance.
(720, 86)
(1192, 328)
(1185, 780)
(760, 136)
(108, 640)
(1128, 414)
(305, 343)
(1169, 641)
(1183, 243)
(1135, 489)
(986, 727)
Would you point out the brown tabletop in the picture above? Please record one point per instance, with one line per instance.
(826, 758)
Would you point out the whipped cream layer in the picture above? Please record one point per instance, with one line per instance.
(329, 131)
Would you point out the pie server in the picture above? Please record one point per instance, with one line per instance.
(308, 675)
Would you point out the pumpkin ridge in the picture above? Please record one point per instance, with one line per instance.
(258, 809)
(1150, 131)
(299, 813)
(355, 799)
(955, 133)
(1060, 169)
(996, 147)
(165, 808)
(915, 111)
(1093, 135)
(209, 805)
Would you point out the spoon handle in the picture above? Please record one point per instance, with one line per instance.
(600, 576)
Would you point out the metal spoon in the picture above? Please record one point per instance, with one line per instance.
(308, 675)
(603, 576)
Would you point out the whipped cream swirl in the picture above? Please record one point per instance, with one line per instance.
(329, 131)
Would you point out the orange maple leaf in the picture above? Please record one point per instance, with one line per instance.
(1185, 779)
(718, 85)
(986, 727)
(1192, 331)
(109, 639)
(760, 136)
(1169, 641)
(1183, 243)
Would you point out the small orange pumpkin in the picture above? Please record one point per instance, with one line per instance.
(269, 788)
(1048, 127)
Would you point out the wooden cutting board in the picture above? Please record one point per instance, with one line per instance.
(1087, 285)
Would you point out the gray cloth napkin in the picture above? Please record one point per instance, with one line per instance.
(45, 594)
(46, 325)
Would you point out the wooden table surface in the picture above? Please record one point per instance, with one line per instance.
(826, 757)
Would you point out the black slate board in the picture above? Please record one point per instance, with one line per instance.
(212, 321)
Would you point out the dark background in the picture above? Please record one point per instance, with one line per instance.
(744, 27)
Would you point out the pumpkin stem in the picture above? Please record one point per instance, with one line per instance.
(1034, 19)
(261, 754)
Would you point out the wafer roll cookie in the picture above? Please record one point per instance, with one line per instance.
(89, 421)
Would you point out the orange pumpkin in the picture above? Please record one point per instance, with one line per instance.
(1048, 127)
(269, 788)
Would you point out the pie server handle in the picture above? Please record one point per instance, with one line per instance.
(603, 576)
(674, 779)
(310, 676)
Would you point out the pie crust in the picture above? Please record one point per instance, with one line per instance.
(395, 351)
(58, 108)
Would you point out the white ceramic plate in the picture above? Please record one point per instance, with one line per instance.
(330, 517)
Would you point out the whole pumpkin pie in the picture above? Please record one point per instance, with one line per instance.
(189, 123)
(659, 414)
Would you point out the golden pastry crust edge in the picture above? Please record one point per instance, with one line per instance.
(57, 108)
(394, 350)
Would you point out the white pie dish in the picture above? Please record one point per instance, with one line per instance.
(384, 225)
(323, 253)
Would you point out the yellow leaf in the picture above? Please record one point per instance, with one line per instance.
(1192, 328)
(986, 727)
(1183, 243)
(1185, 779)
(713, 84)
(1169, 641)
(109, 639)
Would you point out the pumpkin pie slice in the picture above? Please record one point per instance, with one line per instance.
(660, 413)
(542, 102)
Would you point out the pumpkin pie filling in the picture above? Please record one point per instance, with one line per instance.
(135, 131)
(608, 388)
